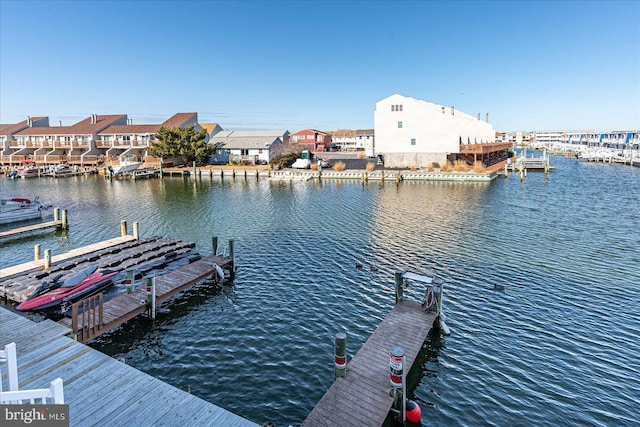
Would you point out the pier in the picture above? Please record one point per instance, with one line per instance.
(363, 397)
(98, 317)
(101, 390)
(31, 228)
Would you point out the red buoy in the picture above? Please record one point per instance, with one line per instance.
(413, 411)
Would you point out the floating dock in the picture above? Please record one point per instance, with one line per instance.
(361, 398)
(30, 228)
(101, 390)
(99, 317)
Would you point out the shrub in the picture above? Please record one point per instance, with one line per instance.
(435, 165)
(371, 167)
(461, 166)
(412, 168)
(448, 167)
(314, 166)
(478, 167)
(430, 168)
(339, 166)
(361, 155)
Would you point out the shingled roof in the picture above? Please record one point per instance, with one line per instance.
(85, 127)
(11, 129)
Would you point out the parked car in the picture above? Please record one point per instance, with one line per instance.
(301, 164)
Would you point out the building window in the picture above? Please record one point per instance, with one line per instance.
(399, 125)
(413, 141)
(244, 152)
(396, 107)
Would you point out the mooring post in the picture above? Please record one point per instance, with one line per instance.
(194, 169)
(151, 296)
(340, 351)
(214, 245)
(65, 224)
(161, 175)
(129, 281)
(47, 258)
(397, 380)
(56, 214)
(232, 257)
(123, 228)
(37, 254)
(506, 171)
(136, 231)
(399, 288)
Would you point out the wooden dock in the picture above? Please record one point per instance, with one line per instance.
(30, 228)
(99, 389)
(361, 398)
(99, 316)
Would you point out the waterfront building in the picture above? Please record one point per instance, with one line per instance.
(212, 129)
(415, 133)
(129, 140)
(617, 139)
(75, 144)
(311, 139)
(344, 139)
(248, 146)
(8, 142)
(353, 140)
(89, 142)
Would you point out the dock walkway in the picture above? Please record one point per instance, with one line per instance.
(30, 228)
(361, 398)
(123, 308)
(99, 389)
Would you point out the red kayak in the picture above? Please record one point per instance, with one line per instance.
(50, 295)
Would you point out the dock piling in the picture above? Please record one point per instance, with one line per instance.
(123, 228)
(340, 351)
(214, 245)
(47, 258)
(399, 286)
(136, 231)
(65, 224)
(37, 254)
(398, 383)
(130, 276)
(232, 257)
(56, 214)
(151, 296)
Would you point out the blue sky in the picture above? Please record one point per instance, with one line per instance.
(298, 64)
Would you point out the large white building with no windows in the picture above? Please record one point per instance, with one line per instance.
(414, 133)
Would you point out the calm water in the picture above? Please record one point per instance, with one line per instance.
(559, 346)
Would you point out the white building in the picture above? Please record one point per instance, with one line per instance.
(414, 133)
(248, 146)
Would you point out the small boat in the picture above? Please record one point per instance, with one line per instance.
(126, 165)
(19, 209)
(56, 293)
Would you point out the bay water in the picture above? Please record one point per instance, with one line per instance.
(558, 346)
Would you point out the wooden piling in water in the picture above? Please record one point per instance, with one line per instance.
(37, 254)
(214, 245)
(65, 225)
(123, 228)
(136, 231)
(340, 351)
(399, 286)
(47, 259)
(232, 257)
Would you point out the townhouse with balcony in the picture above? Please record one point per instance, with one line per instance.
(75, 144)
(312, 140)
(131, 141)
(8, 141)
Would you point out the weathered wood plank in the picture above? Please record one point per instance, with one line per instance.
(101, 390)
(362, 398)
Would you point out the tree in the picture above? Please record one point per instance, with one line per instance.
(181, 142)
